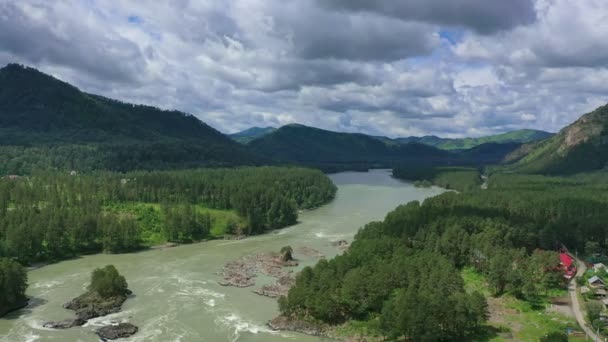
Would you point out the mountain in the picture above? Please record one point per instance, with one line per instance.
(519, 136)
(249, 134)
(48, 123)
(337, 151)
(579, 147)
(487, 153)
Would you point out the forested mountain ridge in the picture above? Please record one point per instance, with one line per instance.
(518, 136)
(47, 122)
(249, 134)
(335, 151)
(326, 149)
(579, 147)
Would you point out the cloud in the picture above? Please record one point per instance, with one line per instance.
(482, 16)
(50, 32)
(450, 68)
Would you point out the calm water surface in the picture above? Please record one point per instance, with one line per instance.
(177, 297)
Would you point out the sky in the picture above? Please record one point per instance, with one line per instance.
(385, 67)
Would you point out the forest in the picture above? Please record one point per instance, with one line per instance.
(402, 274)
(50, 216)
(453, 178)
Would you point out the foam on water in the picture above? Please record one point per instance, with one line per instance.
(46, 284)
(239, 325)
(111, 319)
(323, 235)
(36, 324)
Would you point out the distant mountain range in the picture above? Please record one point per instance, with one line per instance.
(334, 150)
(47, 123)
(448, 144)
(519, 136)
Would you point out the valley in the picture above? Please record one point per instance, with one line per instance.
(177, 290)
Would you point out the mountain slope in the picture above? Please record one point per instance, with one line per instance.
(42, 115)
(519, 136)
(249, 134)
(333, 150)
(581, 146)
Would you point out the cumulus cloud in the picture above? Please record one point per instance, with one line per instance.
(483, 16)
(396, 68)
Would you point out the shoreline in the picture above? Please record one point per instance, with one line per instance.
(16, 307)
(166, 245)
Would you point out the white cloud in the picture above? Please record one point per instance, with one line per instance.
(381, 68)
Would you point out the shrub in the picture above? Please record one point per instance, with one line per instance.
(107, 282)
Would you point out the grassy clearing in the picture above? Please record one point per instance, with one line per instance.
(353, 329)
(513, 319)
(149, 217)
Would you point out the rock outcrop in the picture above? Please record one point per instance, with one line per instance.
(113, 332)
(91, 305)
(293, 324)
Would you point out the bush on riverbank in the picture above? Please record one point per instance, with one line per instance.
(13, 283)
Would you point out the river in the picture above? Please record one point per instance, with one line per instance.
(177, 297)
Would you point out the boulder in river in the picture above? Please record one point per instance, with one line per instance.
(279, 288)
(91, 305)
(113, 332)
(241, 273)
(294, 324)
(341, 244)
(65, 324)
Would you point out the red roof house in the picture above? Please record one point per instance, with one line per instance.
(565, 259)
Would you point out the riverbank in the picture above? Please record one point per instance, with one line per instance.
(17, 306)
(178, 295)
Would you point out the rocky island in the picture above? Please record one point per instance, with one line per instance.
(106, 294)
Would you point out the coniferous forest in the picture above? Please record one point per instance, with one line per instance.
(51, 216)
(403, 272)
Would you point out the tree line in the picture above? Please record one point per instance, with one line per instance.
(52, 216)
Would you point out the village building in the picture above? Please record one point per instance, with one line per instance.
(599, 266)
(567, 265)
(596, 282)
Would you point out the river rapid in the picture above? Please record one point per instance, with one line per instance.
(177, 297)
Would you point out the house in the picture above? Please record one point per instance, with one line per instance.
(584, 289)
(566, 262)
(596, 281)
(600, 293)
(599, 266)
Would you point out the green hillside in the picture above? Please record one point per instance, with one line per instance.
(47, 123)
(249, 134)
(579, 147)
(519, 136)
(333, 150)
